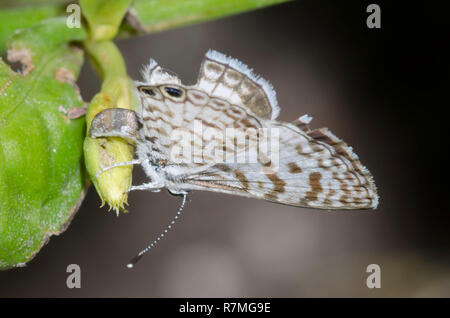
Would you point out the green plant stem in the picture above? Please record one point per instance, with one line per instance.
(116, 91)
(104, 18)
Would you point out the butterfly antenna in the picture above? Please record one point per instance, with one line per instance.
(135, 259)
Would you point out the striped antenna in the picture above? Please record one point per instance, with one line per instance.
(135, 259)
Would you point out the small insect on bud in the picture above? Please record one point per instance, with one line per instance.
(116, 122)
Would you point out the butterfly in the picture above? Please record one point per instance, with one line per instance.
(313, 168)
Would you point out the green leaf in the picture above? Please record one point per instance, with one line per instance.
(20, 18)
(41, 170)
(158, 15)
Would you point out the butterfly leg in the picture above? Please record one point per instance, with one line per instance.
(151, 186)
(120, 164)
(156, 183)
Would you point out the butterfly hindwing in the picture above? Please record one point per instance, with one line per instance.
(310, 173)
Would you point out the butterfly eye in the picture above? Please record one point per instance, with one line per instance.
(148, 91)
(174, 92)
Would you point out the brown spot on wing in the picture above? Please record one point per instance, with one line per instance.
(242, 178)
(278, 187)
(247, 123)
(161, 131)
(294, 168)
(214, 67)
(222, 167)
(271, 196)
(316, 188)
(344, 199)
(331, 193)
(314, 181)
(208, 124)
(323, 135)
(278, 184)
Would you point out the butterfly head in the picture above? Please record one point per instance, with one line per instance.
(173, 92)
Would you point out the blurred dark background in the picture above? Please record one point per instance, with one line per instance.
(384, 91)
